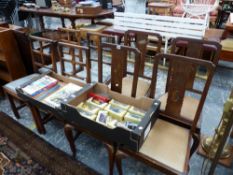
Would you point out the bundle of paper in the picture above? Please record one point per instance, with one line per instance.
(135, 118)
(137, 111)
(87, 114)
(38, 86)
(116, 112)
(119, 104)
(88, 107)
(97, 103)
(62, 95)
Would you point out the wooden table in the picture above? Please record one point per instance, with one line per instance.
(72, 16)
(161, 8)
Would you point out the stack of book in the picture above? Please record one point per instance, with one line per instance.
(111, 113)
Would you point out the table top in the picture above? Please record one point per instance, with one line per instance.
(160, 4)
(71, 14)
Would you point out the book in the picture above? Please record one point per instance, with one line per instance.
(62, 95)
(38, 86)
(119, 104)
(88, 107)
(97, 103)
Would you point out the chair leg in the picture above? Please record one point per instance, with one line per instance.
(69, 135)
(111, 157)
(2, 94)
(119, 156)
(37, 119)
(196, 141)
(13, 106)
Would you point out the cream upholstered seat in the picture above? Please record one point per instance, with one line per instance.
(227, 44)
(142, 86)
(188, 109)
(168, 144)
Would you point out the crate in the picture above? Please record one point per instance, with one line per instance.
(132, 139)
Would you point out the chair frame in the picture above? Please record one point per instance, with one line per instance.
(141, 41)
(72, 48)
(123, 152)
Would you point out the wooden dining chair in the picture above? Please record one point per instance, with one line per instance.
(170, 144)
(94, 40)
(197, 48)
(122, 79)
(144, 41)
(43, 51)
(71, 64)
(43, 59)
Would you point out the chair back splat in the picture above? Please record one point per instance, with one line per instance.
(179, 101)
(144, 41)
(119, 66)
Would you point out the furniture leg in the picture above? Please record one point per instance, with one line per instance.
(63, 22)
(41, 23)
(119, 156)
(69, 135)
(37, 119)
(196, 141)
(2, 94)
(72, 23)
(13, 106)
(111, 157)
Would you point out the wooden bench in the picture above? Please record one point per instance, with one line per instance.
(167, 26)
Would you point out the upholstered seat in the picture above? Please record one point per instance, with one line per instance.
(227, 44)
(188, 109)
(142, 86)
(168, 144)
(11, 86)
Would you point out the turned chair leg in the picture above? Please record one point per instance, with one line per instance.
(13, 106)
(68, 129)
(37, 119)
(111, 157)
(119, 156)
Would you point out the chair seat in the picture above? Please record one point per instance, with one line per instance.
(188, 109)
(17, 83)
(227, 44)
(142, 86)
(168, 144)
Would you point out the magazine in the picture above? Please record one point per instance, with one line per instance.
(63, 95)
(38, 86)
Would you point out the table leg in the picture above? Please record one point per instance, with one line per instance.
(63, 22)
(37, 119)
(73, 23)
(41, 21)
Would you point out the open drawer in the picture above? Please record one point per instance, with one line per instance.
(122, 136)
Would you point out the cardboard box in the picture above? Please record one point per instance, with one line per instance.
(132, 139)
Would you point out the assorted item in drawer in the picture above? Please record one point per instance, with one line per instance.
(112, 116)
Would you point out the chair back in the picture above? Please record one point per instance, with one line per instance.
(119, 66)
(176, 85)
(196, 48)
(72, 64)
(70, 35)
(143, 40)
(43, 52)
(94, 40)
